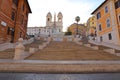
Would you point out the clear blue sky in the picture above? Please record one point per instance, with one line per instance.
(69, 8)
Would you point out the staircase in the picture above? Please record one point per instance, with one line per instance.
(9, 53)
(70, 51)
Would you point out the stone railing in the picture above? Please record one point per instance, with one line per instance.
(12, 45)
(111, 45)
(112, 48)
(29, 41)
(62, 38)
(6, 46)
(20, 53)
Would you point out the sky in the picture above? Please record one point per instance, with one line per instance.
(69, 8)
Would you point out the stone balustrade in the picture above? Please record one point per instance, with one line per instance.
(20, 53)
(13, 45)
(87, 45)
(112, 51)
(79, 43)
(32, 50)
(95, 47)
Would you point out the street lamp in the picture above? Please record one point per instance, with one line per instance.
(49, 33)
(77, 19)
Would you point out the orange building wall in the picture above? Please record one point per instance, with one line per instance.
(103, 19)
(5, 15)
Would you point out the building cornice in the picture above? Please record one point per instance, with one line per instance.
(99, 7)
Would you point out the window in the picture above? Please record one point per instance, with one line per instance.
(59, 19)
(106, 9)
(101, 39)
(100, 28)
(26, 14)
(119, 19)
(59, 30)
(117, 4)
(110, 36)
(20, 34)
(23, 7)
(98, 15)
(48, 19)
(22, 19)
(15, 2)
(25, 24)
(8, 31)
(13, 15)
(108, 22)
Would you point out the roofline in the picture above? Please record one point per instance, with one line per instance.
(28, 6)
(99, 6)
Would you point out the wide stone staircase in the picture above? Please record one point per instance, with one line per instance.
(70, 51)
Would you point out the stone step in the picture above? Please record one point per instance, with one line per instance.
(59, 66)
(117, 51)
(71, 51)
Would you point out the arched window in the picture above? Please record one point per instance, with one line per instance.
(48, 19)
(59, 19)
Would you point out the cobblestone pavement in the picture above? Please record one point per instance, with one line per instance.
(35, 76)
(70, 51)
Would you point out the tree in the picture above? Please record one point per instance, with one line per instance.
(68, 32)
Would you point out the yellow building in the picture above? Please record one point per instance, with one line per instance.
(108, 21)
(91, 26)
(81, 29)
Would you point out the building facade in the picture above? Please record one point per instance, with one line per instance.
(36, 31)
(13, 19)
(108, 21)
(81, 29)
(91, 26)
(54, 27)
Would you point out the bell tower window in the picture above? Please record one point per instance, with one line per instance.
(48, 19)
(59, 19)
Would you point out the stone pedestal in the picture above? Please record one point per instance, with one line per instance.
(112, 51)
(95, 47)
(44, 44)
(19, 50)
(87, 45)
(32, 50)
(41, 47)
(49, 39)
(79, 43)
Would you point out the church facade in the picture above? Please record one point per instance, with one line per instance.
(54, 26)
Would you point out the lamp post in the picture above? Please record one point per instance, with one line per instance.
(49, 33)
(77, 19)
(39, 31)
